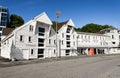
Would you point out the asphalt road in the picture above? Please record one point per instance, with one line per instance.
(89, 67)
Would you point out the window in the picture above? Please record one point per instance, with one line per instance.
(112, 36)
(40, 42)
(54, 51)
(0, 30)
(67, 52)
(54, 41)
(31, 51)
(67, 37)
(41, 31)
(68, 44)
(68, 29)
(30, 28)
(50, 32)
(78, 36)
(62, 35)
(101, 43)
(62, 42)
(49, 41)
(81, 36)
(21, 37)
(73, 36)
(29, 38)
(40, 51)
(119, 36)
(113, 42)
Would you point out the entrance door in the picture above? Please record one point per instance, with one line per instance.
(49, 53)
(24, 55)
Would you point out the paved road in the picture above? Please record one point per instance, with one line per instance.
(91, 67)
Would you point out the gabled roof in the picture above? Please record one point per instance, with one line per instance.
(60, 24)
(43, 18)
(7, 31)
(70, 22)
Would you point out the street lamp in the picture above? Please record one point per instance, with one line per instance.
(57, 16)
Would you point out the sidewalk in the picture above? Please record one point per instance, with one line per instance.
(8, 63)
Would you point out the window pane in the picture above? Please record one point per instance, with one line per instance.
(41, 34)
(40, 40)
(41, 30)
(40, 51)
(40, 45)
(68, 37)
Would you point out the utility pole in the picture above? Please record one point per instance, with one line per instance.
(57, 16)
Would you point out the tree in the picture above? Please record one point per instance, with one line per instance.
(92, 28)
(16, 21)
(107, 26)
(77, 29)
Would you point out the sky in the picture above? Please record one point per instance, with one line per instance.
(81, 12)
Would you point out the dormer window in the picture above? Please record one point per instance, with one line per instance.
(31, 28)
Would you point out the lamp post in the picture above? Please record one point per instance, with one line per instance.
(57, 16)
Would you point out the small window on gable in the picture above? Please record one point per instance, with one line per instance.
(21, 37)
(31, 28)
(32, 52)
(29, 38)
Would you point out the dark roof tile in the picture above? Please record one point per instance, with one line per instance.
(7, 31)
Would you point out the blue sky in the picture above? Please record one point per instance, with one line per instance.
(80, 11)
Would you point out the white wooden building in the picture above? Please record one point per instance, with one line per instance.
(67, 39)
(99, 42)
(29, 40)
(37, 39)
(114, 35)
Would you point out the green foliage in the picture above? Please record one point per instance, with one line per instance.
(92, 28)
(77, 29)
(16, 21)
